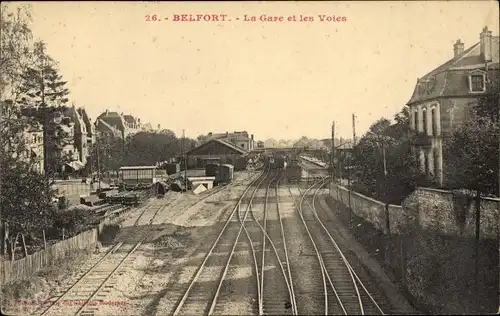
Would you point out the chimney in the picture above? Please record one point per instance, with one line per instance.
(227, 134)
(251, 137)
(458, 48)
(107, 111)
(485, 44)
(158, 126)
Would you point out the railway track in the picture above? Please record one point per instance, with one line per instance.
(202, 293)
(343, 290)
(276, 289)
(85, 294)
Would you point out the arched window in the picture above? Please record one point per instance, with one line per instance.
(424, 120)
(415, 119)
(434, 122)
(426, 163)
(436, 162)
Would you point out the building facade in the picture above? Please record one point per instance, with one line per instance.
(443, 98)
(240, 139)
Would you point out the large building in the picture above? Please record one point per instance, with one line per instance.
(442, 98)
(84, 133)
(239, 139)
(214, 150)
(126, 124)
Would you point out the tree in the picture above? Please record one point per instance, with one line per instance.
(30, 209)
(385, 167)
(472, 155)
(202, 138)
(488, 104)
(15, 41)
(15, 57)
(472, 150)
(43, 97)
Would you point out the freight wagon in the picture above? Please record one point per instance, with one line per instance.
(279, 163)
(173, 168)
(225, 174)
(211, 169)
(240, 164)
(293, 173)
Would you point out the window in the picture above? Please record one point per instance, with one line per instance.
(436, 162)
(415, 120)
(477, 83)
(243, 145)
(426, 162)
(424, 120)
(434, 122)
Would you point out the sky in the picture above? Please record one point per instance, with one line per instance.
(279, 80)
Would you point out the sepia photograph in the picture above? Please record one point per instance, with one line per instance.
(249, 158)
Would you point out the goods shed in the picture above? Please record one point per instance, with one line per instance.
(135, 175)
(221, 151)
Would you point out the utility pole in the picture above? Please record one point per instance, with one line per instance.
(332, 164)
(184, 155)
(353, 130)
(98, 165)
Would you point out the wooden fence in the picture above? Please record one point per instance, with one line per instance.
(28, 266)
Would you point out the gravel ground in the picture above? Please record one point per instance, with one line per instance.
(155, 277)
(178, 240)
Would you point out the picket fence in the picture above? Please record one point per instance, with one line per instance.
(28, 266)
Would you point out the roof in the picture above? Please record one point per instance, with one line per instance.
(130, 119)
(137, 167)
(114, 119)
(231, 145)
(450, 78)
(114, 130)
(223, 143)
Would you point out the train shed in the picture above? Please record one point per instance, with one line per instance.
(218, 150)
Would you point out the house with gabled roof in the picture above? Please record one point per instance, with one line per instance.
(214, 150)
(126, 124)
(443, 98)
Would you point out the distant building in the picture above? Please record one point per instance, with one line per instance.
(260, 144)
(33, 140)
(91, 132)
(126, 124)
(31, 137)
(82, 134)
(214, 150)
(240, 139)
(442, 98)
(105, 130)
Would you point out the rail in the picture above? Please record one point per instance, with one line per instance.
(209, 253)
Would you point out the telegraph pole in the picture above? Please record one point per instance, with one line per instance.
(353, 129)
(98, 165)
(333, 149)
(184, 155)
